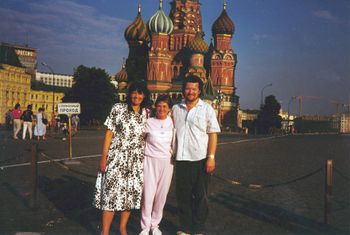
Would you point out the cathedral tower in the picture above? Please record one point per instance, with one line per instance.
(159, 72)
(223, 59)
(187, 18)
(223, 66)
(198, 47)
(137, 37)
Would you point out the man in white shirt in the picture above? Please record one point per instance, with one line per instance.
(196, 127)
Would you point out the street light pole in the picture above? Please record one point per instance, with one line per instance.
(219, 97)
(262, 94)
(291, 99)
(53, 94)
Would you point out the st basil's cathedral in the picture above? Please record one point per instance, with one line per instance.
(166, 49)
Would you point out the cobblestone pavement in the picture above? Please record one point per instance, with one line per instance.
(262, 185)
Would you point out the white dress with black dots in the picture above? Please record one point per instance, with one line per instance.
(120, 188)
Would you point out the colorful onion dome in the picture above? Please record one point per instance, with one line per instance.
(137, 31)
(159, 22)
(122, 75)
(223, 24)
(198, 45)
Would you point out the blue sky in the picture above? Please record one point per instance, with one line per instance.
(301, 47)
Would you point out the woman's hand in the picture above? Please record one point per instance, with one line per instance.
(103, 164)
(106, 144)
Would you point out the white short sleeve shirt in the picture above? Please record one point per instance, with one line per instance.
(192, 130)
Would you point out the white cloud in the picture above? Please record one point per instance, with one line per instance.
(326, 15)
(259, 38)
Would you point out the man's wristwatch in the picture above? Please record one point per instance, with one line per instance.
(211, 156)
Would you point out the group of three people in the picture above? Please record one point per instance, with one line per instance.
(136, 165)
(25, 120)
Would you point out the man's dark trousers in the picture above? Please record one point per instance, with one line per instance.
(191, 194)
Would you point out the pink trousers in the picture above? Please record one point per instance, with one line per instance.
(157, 179)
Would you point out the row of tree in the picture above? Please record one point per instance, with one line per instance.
(95, 93)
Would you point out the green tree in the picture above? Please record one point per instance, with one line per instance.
(268, 118)
(95, 93)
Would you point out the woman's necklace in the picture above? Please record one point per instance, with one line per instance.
(162, 123)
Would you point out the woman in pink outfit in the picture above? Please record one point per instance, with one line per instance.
(17, 123)
(158, 167)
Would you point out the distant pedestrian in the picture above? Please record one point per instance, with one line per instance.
(64, 130)
(27, 118)
(17, 122)
(75, 123)
(9, 119)
(196, 129)
(40, 124)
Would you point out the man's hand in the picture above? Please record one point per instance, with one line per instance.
(210, 165)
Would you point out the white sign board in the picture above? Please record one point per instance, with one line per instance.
(68, 108)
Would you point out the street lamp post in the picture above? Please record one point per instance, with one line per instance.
(53, 94)
(291, 99)
(219, 97)
(262, 94)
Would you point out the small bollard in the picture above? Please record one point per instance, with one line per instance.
(328, 192)
(34, 173)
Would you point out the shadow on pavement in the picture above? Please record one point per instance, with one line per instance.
(274, 215)
(73, 197)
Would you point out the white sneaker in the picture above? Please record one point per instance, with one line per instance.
(144, 232)
(182, 233)
(156, 231)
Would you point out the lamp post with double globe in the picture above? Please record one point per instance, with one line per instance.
(53, 120)
(290, 101)
(262, 94)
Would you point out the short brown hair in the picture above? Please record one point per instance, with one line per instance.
(164, 98)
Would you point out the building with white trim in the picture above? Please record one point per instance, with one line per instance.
(61, 80)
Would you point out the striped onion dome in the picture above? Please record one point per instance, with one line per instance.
(198, 45)
(122, 75)
(223, 24)
(159, 22)
(137, 31)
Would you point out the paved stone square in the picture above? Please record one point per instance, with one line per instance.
(262, 185)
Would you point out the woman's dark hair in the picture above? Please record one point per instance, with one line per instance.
(29, 106)
(193, 79)
(17, 106)
(140, 87)
(164, 98)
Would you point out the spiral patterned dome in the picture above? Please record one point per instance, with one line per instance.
(198, 45)
(160, 22)
(223, 24)
(122, 75)
(137, 31)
